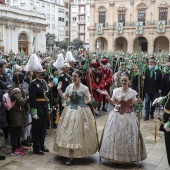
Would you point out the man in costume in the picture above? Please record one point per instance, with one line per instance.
(65, 78)
(97, 83)
(39, 106)
(107, 76)
(165, 123)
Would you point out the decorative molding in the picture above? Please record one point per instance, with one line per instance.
(112, 3)
(122, 8)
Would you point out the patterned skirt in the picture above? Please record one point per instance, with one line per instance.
(119, 142)
(76, 134)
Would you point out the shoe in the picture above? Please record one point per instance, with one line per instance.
(146, 118)
(96, 112)
(55, 126)
(152, 117)
(69, 161)
(44, 149)
(38, 152)
(17, 152)
(25, 143)
(104, 110)
(23, 149)
(2, 157)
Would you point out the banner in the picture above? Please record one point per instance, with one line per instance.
(139, 28)
(99, 29)
(161, 26)
(33, 41)
(119, 28)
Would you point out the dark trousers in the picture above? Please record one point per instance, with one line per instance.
(6, 130)
(149, 98)
(16, 133)
(167, 143)
(38, 131)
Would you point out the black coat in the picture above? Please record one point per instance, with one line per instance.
(4, 82)
(165, 88)
(152, 85)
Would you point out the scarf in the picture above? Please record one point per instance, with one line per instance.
(153, 72)
(166, 70)
(134, 75)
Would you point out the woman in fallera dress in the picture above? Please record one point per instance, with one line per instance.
(76, 134)
(120, 135)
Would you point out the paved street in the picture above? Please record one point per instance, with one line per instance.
(156, 159)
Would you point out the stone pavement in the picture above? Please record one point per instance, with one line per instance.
(156, 159)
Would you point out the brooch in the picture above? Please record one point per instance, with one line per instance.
(38, 85)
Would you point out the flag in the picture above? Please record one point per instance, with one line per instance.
(161, 26)
(139, 27)
(99, 29)
(119, 28)
(33, 41)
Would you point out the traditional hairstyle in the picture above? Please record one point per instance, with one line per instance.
(78, 72)
(126, 74)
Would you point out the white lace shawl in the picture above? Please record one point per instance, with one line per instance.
(118, 93)
(82, 90)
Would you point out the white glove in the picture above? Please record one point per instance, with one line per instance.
(35, 117)
(166, 127)
(158, 101)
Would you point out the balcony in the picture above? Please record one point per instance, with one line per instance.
(81, 13)
(81, 31)
(145, 23)
(81, 22)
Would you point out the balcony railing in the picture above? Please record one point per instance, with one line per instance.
(81, 32)
(81, 22)
(145, 23)
(81, 13)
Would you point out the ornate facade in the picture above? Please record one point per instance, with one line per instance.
(21, 30)
(129, 25)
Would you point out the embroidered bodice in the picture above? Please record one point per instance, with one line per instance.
(123, 102)
(79, 97)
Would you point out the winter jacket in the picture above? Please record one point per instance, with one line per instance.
(18, 111)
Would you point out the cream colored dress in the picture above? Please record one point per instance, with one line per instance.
(120, 135)
(76, 134)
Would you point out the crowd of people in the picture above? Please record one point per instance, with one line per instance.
(76, 89)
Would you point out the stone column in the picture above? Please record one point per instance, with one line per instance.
(111, 13)
(92, 14)
(130, 42)
(92, 43)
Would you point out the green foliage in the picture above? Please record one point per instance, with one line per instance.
(63, 44)
(77, 43)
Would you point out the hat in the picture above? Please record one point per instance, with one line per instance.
(104, 61)
(59, 63)
(95, 65)
(69, 57)
(34, 64)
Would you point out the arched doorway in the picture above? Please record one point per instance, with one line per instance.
(140, 44)
(161, 44)
(101, 44)
(121, 44)
(23, 43)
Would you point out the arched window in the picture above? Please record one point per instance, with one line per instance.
(22, 37)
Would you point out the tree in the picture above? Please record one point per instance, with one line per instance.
(50, 40)
(77, 43)
(63, 44)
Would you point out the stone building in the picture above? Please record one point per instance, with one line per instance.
(21, 30)
(56, 12)
(129, 25)
(80, 21)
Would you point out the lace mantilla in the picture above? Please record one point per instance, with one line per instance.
(118, 94)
